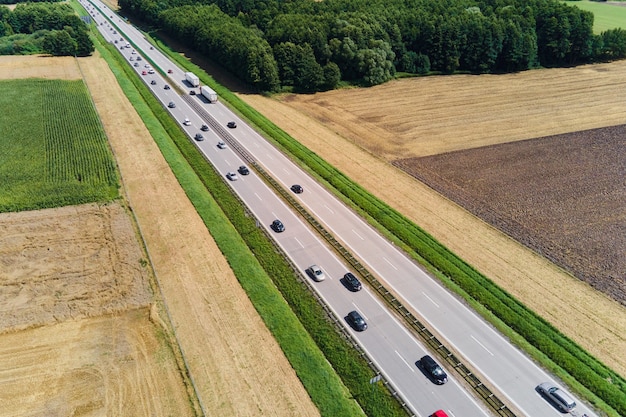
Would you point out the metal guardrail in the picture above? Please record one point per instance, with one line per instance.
(488, 397)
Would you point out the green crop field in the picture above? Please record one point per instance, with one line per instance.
(53, 149)
(607, 15)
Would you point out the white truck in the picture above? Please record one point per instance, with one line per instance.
(208, 93)
(192, 79)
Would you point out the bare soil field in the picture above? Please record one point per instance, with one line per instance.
(361, 131)
(82, 334)
(563, 196)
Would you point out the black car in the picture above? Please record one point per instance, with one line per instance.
(231, 125)
(199, 137)
(278, 226)
(355, 320)
(297, 189)
(153, 82)
(204, 128)
(192, 92)
(166, 87)
(243, 170)
(171, 105)
(433, 370)
(351, 282)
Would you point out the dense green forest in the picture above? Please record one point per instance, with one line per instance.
(51, 28)
(312, 45)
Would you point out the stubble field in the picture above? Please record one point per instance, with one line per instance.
(362, 131)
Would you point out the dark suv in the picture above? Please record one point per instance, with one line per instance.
(355, 320)
(351, 282)
(433, 370)
(278, 226)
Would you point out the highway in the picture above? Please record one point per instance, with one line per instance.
(390, 346)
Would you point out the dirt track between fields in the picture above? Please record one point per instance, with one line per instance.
(361, 130)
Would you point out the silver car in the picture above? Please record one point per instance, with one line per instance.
(316, 273)
(557, 396)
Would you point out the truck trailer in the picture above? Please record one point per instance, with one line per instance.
(208, 93)
(192, 79)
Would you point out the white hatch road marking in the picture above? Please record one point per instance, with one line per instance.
(389, 262)
(431, 300)
(403, 360)
(358, 235)
(258, 196)
(481, 345)
(300, 243)
(329, 209)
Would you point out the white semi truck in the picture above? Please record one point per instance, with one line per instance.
(192, 79)
(208, 93)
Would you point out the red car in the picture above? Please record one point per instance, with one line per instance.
(144, 72)
(169, 71)
(439, 413)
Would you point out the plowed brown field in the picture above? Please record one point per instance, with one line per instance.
(361, 131)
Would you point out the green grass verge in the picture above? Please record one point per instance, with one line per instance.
(606, 16)
(53, 149)
(254, 260)
(590, 378)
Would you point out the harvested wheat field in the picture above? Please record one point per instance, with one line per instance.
(76, 336)
(84, 334)
(361, 131)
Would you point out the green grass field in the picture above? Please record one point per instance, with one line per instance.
(53, 149)
(606, 15)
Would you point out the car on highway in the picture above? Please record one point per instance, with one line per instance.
(316, 273)
(166, 87)
(439, 413)
(153, 82)
(204, 128)
(296, 188)
(231, 125)
(150, 71)
(136, 64)
(557, 396)
(139, 58)
(243, 170)
(169, 71)
(171, 105)
(433, 370)
(147, 66)
(221, 145)
(186, 122)
(134, 52)
(199, 137)
(351, 282)
(144, 72)
(278, 226)
(356, 321)
(232, 176)
(192, 92)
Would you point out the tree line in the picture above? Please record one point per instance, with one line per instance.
(52, 28)
(313, 45)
